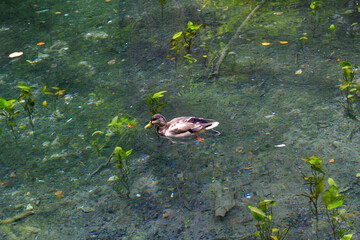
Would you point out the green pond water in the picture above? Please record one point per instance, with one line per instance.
(276, 96)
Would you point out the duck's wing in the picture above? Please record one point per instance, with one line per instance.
(186, 126)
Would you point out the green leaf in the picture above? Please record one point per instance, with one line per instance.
(43, 89)
(24, 87)
(149, 100)
(114, 122)
(270, 202)
(125, 120)
(332, 27)
(347, 64)
(120, 153)
(331, 182)
(329, 196)
(158, 94)
(2, 103)
(97, 132)
(258, 214)
(128, 152)
(12, 123)
(358, 175)
(319, 186)
(344, 86)
(348, 236)
(177, 35)
(335, 204)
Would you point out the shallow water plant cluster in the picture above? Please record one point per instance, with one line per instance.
(265, 225)
(153, 100)
(337, 218)
(184, 39)
(122, 162)
(8, 111)
(349, 87)
(27, 100)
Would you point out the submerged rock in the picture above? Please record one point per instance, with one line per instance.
(224, 201)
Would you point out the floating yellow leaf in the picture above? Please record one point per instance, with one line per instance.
(331, 161)
(265, 44)
(58, 192)
(40, 43)
(298, 72)
(283, 42)
(44, 103)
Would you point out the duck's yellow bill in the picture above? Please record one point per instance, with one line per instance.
(148, 125)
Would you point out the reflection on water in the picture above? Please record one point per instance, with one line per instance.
(276, 96)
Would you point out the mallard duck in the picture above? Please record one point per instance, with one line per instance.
(182, 126)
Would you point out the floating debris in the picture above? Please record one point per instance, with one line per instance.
(167, 213)
(58, 193)
(86, 209)
(280, 145)
(29, 207)
(15, 54)
(96, 35)
(112, 178)
(4, 29)
(111, 62)
(298, 72)
(42, 11)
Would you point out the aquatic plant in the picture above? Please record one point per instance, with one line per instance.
(162, 3)
(28, 101)
(123, 131)
(184, 39)
(337, 218)
(7, 110)
(331, 199)
(331, 33)
(265, 226)
(315, 6)
(122, 162)
(301, 42)
(122, 128)
(315, 186)
(98, 141)
(348, 87)
(57, 92)
(351, 33)
(153, 100)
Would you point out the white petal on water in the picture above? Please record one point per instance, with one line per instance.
(280, 145)
(15, 54)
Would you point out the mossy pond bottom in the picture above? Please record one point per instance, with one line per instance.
(276, 97)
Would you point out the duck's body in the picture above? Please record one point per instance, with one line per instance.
(181, 126)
